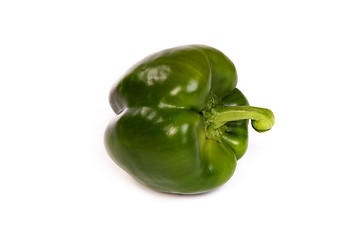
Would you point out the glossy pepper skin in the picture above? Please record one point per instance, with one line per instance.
(181, 124)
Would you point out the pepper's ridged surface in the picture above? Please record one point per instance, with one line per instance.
(164, 133)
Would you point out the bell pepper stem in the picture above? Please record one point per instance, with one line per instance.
(262, 119)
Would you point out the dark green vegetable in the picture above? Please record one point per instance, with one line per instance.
(181, 123)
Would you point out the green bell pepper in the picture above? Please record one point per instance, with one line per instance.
(181, 123)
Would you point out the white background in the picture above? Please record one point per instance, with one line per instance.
(59, 59)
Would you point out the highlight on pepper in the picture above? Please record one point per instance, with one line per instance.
(181, 123)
